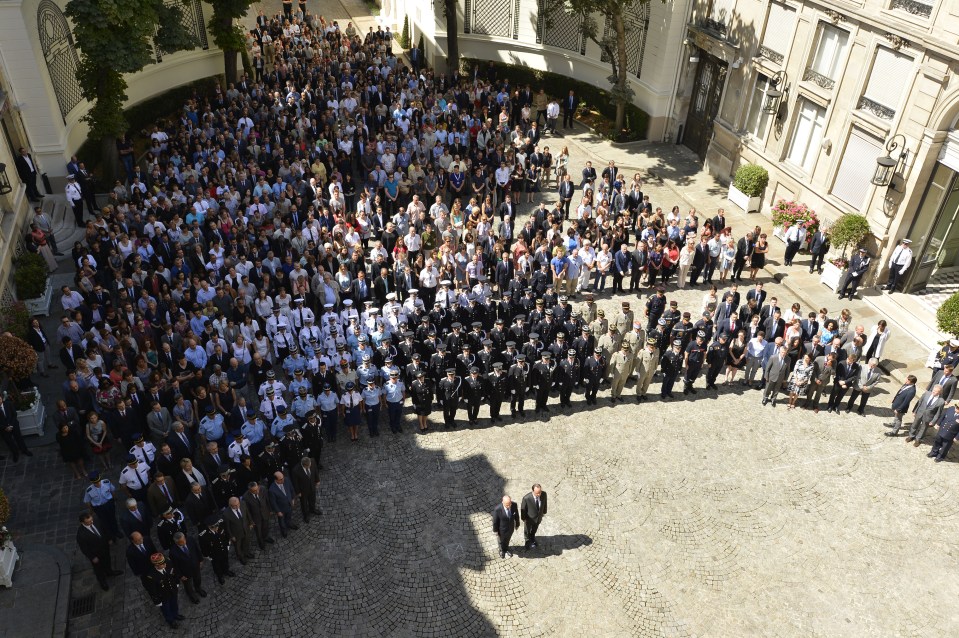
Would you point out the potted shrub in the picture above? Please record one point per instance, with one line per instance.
(848, 231)
(32, 280)
(17, 362)
(746, 190)
(947, 316)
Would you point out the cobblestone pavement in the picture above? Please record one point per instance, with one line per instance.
(713, 517)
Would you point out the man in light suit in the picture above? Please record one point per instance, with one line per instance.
(776, 371)
(505, 522)
(532, 512)
(947, 380)
(281, 500)
(900, 404)
(927, 411)
(863, 386)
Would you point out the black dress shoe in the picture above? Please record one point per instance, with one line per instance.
(104, 587)
(230, 572)
(174, 625)
(29, 453)
(221, 580)
(939, 459)
(931, 454)
(316, 511)
(195, 601)
(765, 401)
(202, 592)
(179, 617)
(270, 540)
(890, 433)
(116, 572)
(292, 526)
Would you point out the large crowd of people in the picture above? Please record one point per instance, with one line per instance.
(335, 243)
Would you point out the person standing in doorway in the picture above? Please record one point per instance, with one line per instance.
(898, 264)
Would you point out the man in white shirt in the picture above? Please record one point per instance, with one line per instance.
(898, 264)
(552, 114)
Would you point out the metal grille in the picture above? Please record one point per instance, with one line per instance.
(636, 19)
(83, 606)
(60, 55)
(566, 32)
(467, 12)
(516, 20)
(493, 17)
(540, 20)
(192, 21)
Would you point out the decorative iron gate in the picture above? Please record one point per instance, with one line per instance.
(60, 55)
(637, 24)
(192, 21)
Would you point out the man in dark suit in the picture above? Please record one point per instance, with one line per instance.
(181, 443)
(946, 378)
(700, 260)
(135, 519)
(10, 430)
(757, 294)
(95, 545)
(532, 512)
(259, 510)
(505, 522)
(774, 326)
(306, 480)
(239, 526)
(27, 170)
(198, 505)
(70, 353)
(901, 402)
(187, 561)
(138, 554)
(818, 248)
(846, 374)
(570, 103)
(280, 494)
(744, 248)
(719, 221)
(161, 493)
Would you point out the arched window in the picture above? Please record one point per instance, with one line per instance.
(60, 54)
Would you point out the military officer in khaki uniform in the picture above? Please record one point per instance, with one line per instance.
(624, 320)
(599, 325)
(636, 338)
(645, 364)
(589, 309)
(609, 343)
(620, 363)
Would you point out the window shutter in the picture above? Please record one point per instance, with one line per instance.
(779, 27)
(890, 73)
(857, 168)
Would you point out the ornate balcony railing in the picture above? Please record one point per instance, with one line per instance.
(877, 109)
(818, 78)
(914, 7)
(714, 27)
(769, 54)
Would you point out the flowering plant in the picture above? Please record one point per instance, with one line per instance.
(840, 262)
(4, 508)
(17, 357)
(5, 537)
(786, 214)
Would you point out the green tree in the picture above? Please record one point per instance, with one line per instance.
(226, 34)
(614, 46)
(116, 37)
(405, 35)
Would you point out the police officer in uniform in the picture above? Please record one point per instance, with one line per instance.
(421, 393)
(268, 462)
(716, 358)
(292, 448)
(215, 545)
(672, 365)
(223, 486)
(170, 523)
(518, 382)
(135, 479)
(450, 390)
(473, 393)
(695, 357)
(497, 389)
(593, 371)
(567, 376)
(655, 307)
(312, 437)
(99, 496)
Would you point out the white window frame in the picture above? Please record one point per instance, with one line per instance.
(824, 62)
(807, 130)
(759, 129)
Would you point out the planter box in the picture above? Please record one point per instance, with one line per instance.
(748, 204)
(8, 562)
(40, 305)
(780, 233)
(32, 420)
(831, 276)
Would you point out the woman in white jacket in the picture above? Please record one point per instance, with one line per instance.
(876, 341)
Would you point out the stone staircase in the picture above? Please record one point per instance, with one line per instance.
(65, 229)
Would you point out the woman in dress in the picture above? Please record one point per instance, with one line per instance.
(39, 239)
(350, 410)
(727, 259)
(799, 380)
(737, 357)
(184, 413)
(72, 450)
(96, 432)
(758, 258)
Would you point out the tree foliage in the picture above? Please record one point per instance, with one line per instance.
(947, 316)
(117, 37)
(849, 231)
